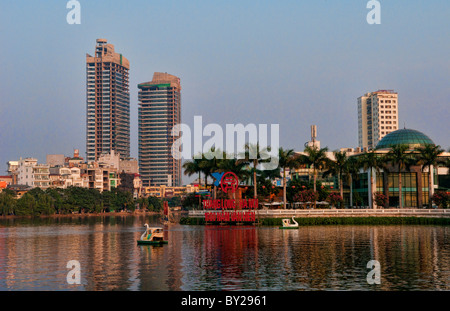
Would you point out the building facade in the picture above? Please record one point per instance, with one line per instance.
(377, 117)
(159, 111)
(32, 174)
(108, 102)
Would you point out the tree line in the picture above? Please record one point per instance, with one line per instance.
(51, 201)
(343, 167)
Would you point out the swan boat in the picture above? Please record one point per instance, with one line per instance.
(152, 236)
(288, 225)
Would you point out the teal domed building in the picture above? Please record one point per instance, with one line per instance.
(405, 136)
(415, 181)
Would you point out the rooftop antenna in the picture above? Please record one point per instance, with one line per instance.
(404, 125)
(313, 133)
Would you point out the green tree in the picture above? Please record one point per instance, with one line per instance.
(352, 172)
(399, 157)
(230, 164)
(317, 159)
(195, 166)
(371, 161)
(338, 167)
(428, 156)
(192, 167)
(7, 202)
(211, 163)
(189, 201)
(287, 159)
(155, 204)
(25, 205)
(56, 196)
(255, 155)
(240, 169)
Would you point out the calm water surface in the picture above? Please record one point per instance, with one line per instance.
(34, 255)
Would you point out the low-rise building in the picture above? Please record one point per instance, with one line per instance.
(5, 181)
(32, 174)
(19, 190)
(164, 191)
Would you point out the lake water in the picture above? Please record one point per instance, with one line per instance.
(34, 256)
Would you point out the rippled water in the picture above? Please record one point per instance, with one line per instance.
(34, 255)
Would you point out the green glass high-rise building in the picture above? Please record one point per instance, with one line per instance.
(159, 111)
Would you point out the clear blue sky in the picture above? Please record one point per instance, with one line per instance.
(290, 62)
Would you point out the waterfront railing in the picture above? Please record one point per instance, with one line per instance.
(278, 213)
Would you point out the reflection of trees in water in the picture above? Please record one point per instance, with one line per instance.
(218, 258)
(322, 257)
(336, 257)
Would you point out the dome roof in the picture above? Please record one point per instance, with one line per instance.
(409, 137)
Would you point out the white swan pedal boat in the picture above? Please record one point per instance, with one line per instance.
(152, 236)
(288, 225)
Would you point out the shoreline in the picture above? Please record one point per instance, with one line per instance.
(82, 215)
(332, 220)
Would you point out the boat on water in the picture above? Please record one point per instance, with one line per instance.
(152, 236)
(167, 217)
(288, 225)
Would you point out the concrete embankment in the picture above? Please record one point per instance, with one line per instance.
(340, 216)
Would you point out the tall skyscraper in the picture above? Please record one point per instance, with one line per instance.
(377, 117)
(108, 102)
(159, 112)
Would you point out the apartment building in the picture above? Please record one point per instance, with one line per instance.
(107, 102)
(159, 111)
(377, 117)
(32, 174)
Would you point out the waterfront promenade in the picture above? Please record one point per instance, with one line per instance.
(285, 213)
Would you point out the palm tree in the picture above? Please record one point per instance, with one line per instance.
(398, 156)
(317, 158)
(353, 166)
(255, 156)
(211, 163)
(371, 162)
(428, 156)
(235, 166)
(338, 167)
(230, 164)
(286, 159)
(192, 167)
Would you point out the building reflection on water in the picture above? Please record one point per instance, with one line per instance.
(34, 254)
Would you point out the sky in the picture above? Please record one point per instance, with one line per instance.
(288, 62)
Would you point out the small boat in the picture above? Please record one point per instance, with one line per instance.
(152, 236)
(167, 217)
(288, 225)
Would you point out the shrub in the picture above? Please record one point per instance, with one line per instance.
(334, 198)
(304, 196)
(441, 199)
(381, 200)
